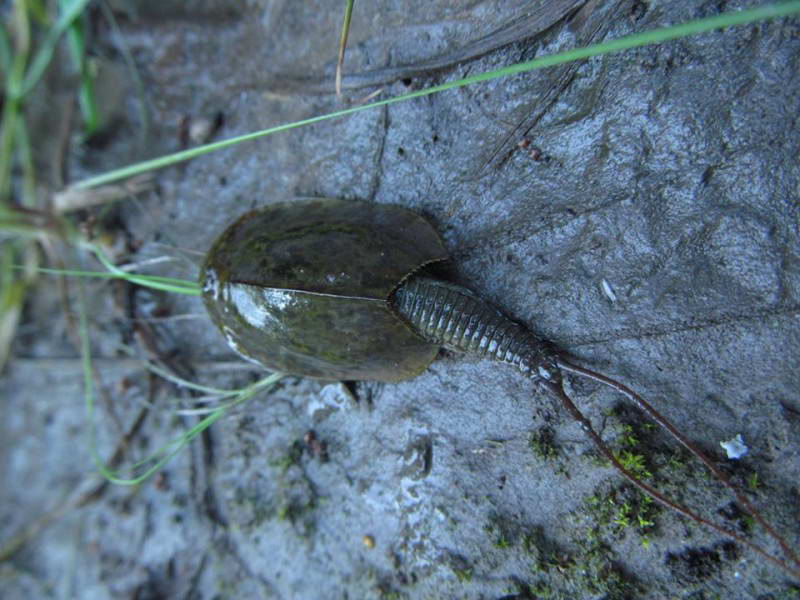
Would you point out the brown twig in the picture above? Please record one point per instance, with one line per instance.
(348, 13)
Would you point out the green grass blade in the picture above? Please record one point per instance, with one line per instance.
(625, 43)
(8, 130)
(168, 284)
(167, 454)
(19, 51)
(179, 381)
(120, 275)
(71, 10)
(12, 296)
(38, 10)
(86, 97)
(145, 281)
(164, 454)
(11, 106)
(5, 50)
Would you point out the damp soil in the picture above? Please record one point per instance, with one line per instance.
(641, 210)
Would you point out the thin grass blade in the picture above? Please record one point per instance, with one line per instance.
(5, 49)
(71, 10)
(86, 98)
(167, 452)
(771, 11)
(167, 284)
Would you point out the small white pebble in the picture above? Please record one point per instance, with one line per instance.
(201, 129)
(735, 447)
(608, 290)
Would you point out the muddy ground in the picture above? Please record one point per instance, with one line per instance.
(638, 209)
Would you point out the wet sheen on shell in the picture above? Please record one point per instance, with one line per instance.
(303, 287)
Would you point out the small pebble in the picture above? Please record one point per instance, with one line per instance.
(735, 447)
(608, 290)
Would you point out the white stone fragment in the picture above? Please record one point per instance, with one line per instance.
(608, 290)
(735, 447)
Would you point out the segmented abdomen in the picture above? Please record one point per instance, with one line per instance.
(454, 317)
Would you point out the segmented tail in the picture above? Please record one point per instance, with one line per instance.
(454, 317)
